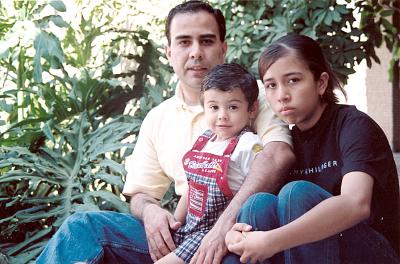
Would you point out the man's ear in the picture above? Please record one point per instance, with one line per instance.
(168, 53)
(253, 110)
(323, 83)
(224, 48)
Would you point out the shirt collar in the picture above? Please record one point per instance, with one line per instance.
(181, 104)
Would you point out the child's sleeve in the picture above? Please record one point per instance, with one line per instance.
(250, 145)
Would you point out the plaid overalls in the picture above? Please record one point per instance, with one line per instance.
(209, 194)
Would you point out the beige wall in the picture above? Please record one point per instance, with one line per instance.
(371, 91)
(379, 93)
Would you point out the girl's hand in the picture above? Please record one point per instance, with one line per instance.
(235, 235)
(255, 246)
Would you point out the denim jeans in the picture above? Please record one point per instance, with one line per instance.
(99, 237)
(359, 244)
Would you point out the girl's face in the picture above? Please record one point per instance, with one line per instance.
(293, 93)
(227, 112)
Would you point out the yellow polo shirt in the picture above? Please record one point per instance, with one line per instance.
(168, 132)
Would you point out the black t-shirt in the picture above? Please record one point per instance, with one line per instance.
(346, 140)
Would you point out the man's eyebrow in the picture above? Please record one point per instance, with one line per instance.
(183, 37)
(208, 36)
(202, 36)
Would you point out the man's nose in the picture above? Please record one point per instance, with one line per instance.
(196, 51)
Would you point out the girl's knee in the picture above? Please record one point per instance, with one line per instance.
(303, 190)
(298, 197)
(259, 201)
(294, 186)
(257, 209)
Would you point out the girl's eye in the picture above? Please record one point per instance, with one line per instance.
(294, 80)
(270, 85)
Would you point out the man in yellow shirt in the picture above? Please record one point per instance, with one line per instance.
(196, 42)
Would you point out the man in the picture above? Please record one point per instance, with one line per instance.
(196, 43)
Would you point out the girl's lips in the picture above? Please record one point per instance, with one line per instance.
(286, 111)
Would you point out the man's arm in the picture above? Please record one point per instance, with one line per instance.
(157, 223)
(139, 202)
(267, 174)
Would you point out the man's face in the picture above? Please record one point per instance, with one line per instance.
(195, 47)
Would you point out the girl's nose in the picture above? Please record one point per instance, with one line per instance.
(283, 94)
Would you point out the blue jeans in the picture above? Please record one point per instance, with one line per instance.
(359, 244)
(98, 237)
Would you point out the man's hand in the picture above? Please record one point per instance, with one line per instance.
(212, 248)
(158, 224)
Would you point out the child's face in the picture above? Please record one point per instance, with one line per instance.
(226, 112)
(293, 92)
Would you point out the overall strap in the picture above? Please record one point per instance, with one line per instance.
(202, 140)
(232, 144)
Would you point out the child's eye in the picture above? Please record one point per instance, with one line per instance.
(213, 107)
(233, 107)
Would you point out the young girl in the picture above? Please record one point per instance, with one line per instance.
(220, 158)
(342, 204)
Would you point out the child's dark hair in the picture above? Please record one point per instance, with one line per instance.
(195, 6)
(229, 76)
(307, 50)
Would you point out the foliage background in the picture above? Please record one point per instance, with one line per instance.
(74, 91)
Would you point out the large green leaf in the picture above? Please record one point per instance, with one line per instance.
(76, 180)
(47, 46)
(58, 5)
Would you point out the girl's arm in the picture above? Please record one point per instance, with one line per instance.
(181, 208)
(328, 218)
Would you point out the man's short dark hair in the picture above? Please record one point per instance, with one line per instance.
(194, 7)
(229, 76)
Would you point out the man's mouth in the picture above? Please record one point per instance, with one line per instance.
(197, 68)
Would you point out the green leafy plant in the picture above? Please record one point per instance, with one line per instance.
(252, 25)
(68, 120)
(65, 120)
(45, 187)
